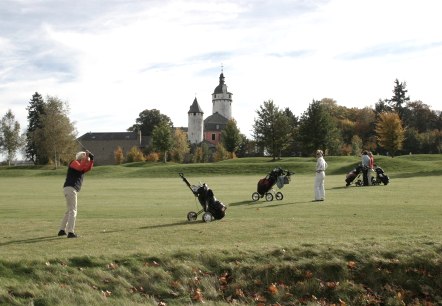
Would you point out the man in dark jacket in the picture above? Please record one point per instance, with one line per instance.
(83, 162)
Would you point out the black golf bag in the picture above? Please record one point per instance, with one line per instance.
(212, 209)
(350, 177)
(209, 203)
(381, 177)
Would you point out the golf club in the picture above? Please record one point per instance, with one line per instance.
(83, 147)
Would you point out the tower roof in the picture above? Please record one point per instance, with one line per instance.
(222, 87)
(195, 107)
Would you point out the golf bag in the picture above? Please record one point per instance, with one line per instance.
(381, 177)
(278, 177)
(212, 209)
(350, 177)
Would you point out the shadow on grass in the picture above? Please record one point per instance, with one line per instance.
(283, 204)
(172, 224)
(342, 187)
(267, 203)
(242, 203)
(30, 240)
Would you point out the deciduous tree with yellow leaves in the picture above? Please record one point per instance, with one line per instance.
(390, 132)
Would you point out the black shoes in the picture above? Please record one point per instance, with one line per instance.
(72, 235)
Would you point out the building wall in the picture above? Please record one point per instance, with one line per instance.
(222, 104)
(195, 128)
(209, 135)
(103, 150)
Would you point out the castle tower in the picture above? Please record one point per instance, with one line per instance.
(195, 123)
(222, 99)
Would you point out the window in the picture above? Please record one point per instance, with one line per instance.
(213, 136)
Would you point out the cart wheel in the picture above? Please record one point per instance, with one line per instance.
(255, 196)
(279, 196)
(269, 197)
(207, 217)
(191, 216)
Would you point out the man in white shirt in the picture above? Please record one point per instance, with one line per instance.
(365, 166)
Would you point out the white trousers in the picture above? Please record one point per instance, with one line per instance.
(319, 186)
(68, 222)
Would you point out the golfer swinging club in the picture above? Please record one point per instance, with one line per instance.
(77, 168)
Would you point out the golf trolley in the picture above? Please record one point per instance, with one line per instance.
(278, 177)
(212, 209)
(356, 173)
(381, 177)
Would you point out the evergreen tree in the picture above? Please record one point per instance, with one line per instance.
(35, 112)
(400, 98)
(293, 145)
(317, 130)
(10, 138)
(272, 129)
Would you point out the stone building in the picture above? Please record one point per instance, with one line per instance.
(199, 130)
(103, 145)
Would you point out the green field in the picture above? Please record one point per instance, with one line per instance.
(378, 245)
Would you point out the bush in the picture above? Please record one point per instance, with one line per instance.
(153, 157)
(135, 155)
(118, 155)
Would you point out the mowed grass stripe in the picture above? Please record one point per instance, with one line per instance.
(123, 216)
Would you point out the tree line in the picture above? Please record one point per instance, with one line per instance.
(395, 125)
(50, 136)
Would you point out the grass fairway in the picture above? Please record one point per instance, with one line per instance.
(378, 245)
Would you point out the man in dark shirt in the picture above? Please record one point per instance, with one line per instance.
(83, 162)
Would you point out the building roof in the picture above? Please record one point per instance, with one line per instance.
(114, 136)
(215, 122)
(195, 107)
(109, 136)
(216, 118)
(222, 87)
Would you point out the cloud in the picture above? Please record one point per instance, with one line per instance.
(391, 49)
(111, 60)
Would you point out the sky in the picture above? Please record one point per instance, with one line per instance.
(112, 59)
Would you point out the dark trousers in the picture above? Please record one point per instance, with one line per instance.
(365, 176)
